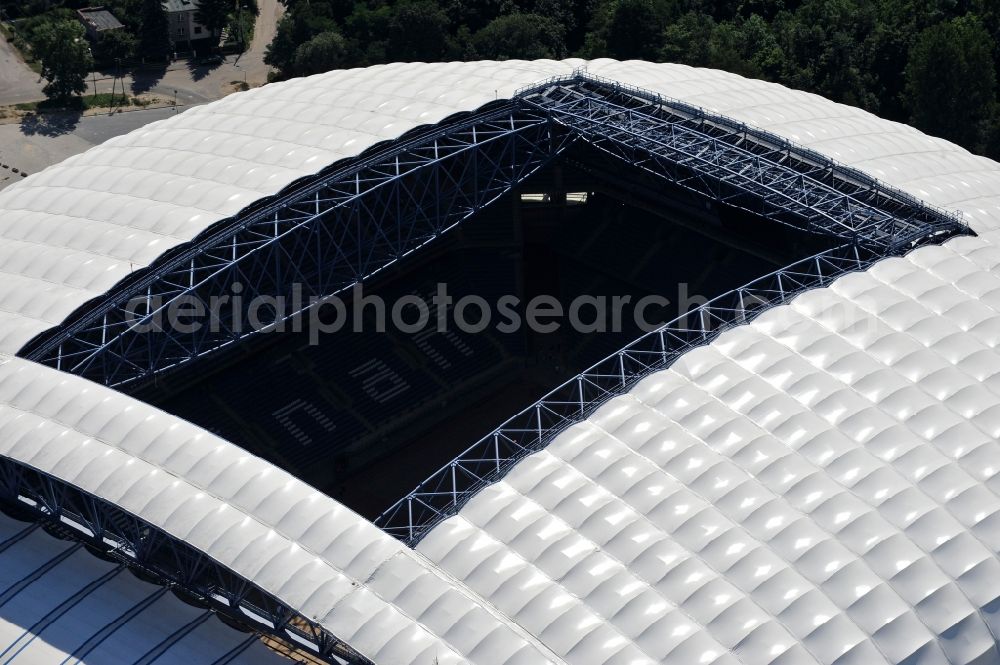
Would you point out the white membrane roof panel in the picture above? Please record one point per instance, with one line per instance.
(290, 540)
(819, 486)
(70, 232)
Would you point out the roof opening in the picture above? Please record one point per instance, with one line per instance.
(606, 208)
(363, 415)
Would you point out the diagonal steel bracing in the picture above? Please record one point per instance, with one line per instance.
(734, 164)
(323, 236)
(488, 460)
(730, 163)
(353, 220)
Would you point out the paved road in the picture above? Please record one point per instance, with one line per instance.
(17, 82)
(252, 62)
(40, 141)
(196, 84)
(33, 145)
(193, 83)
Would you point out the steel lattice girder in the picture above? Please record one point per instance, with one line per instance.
(733, 164)
(324, 237)
(343, 226)
(445, 492)
(727, 162)
(134, 542)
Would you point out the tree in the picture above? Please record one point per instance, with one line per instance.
(115, 45)
(636, 28)
(730, 50)
(418, 31)
(761, 47)
(280, 53)
(366, 29)
(474, 14)
(65, 57)
(825, 42)
(570, 15)
(851, 51)
(295, 28)
(688, 40)
(213, 14)
(322, 53)
(951, 83)
(524, 36)
(154, 34)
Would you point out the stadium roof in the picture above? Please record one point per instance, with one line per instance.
(815, 486)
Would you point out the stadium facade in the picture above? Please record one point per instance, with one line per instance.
(803, 474)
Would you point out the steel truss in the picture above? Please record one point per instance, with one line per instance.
(730, 163)
(346, 224)
(322, 237)
(118, 534)
(488, 460)
(331, 231)
(737, 165)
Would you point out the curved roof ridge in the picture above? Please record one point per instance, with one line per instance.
(49, 417)
(221, 200)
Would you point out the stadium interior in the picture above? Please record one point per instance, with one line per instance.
(361, 416)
